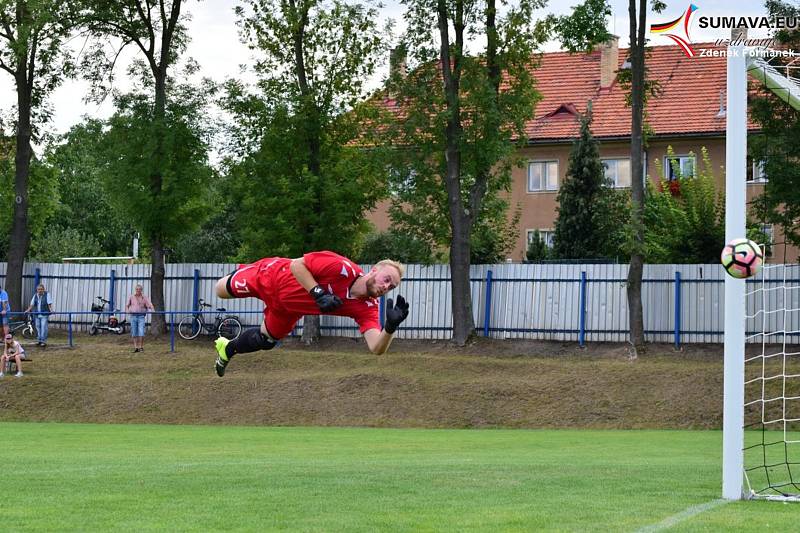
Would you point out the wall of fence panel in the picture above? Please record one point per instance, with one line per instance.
(532, 301)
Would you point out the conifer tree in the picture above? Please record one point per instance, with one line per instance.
(578, 232)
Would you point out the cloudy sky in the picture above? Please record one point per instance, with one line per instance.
(215, 45)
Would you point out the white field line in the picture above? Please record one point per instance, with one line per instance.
(687, 513)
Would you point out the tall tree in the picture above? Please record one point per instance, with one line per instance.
(182, 200)
(579, 230)
(776, 151)
(637, 16)
(463, 115)
(306, 185)
(154, 27)
(32, 51)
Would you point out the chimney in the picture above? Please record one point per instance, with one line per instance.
(609, 61)
(397, 61)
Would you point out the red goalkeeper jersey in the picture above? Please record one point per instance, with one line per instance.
(271, 280)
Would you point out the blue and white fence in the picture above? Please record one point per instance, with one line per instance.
(583, 303)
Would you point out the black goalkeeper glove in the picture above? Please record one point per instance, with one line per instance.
(326, 301)
(395, 314)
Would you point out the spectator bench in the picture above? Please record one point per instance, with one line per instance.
(11, 365)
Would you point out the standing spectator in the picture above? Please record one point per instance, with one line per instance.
(42, 306)
(12, 350)
(137, 307)
(5, 310)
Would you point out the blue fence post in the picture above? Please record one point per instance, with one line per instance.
(196, 290)
(677, 310)
(112, 280)
(37, 276)
(381, 308)
(69, 328)
(582, 312)
(172, 330)
(487, 313)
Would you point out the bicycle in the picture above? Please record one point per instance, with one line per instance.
(24, 326)
(112, 324)
(227, 326)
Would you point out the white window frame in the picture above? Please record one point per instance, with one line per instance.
(757, 172)
(545, 187)
(545, 235)
(614, 181)
(681, 159)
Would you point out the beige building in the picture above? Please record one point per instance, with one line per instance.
(688, 114)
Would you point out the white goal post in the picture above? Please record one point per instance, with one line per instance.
(741, 61)
(735, 209)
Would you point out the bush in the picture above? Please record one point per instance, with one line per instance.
(56, 243)
(685, 218)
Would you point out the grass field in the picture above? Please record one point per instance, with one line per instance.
(98, 477)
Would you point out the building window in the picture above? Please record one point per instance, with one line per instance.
(756, 171)
(545, 235)
(542, 176)
(618, 172)
(769, 231)
(685, 164)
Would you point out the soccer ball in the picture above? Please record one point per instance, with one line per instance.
(742, 258)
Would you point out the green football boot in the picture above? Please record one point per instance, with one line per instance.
(222, 358)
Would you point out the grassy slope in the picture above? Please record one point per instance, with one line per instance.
(488, 384)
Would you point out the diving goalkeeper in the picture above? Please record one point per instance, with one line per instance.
(317, 283)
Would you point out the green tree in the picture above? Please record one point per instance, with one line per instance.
(398, 245)
(181, 201)
(463, 117)
(57, 242)
(155, 28)
(216, 241)
(84, 205)
(43, 194)
(33, 52)
(303, 184)
(579, 228)
(776, 149)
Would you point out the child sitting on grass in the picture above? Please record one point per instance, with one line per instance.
(11, 350)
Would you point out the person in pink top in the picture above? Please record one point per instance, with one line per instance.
(137, 306)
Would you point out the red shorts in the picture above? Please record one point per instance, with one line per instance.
(259, 280)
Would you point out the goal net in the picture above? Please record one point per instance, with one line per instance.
(761, 424)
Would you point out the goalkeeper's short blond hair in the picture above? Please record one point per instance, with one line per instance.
(388, 262)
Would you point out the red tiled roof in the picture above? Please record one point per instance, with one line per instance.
(688, 103)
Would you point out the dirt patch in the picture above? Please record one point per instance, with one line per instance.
(489, 383)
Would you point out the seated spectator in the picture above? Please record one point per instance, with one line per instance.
(12, 350)
(42, 306)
